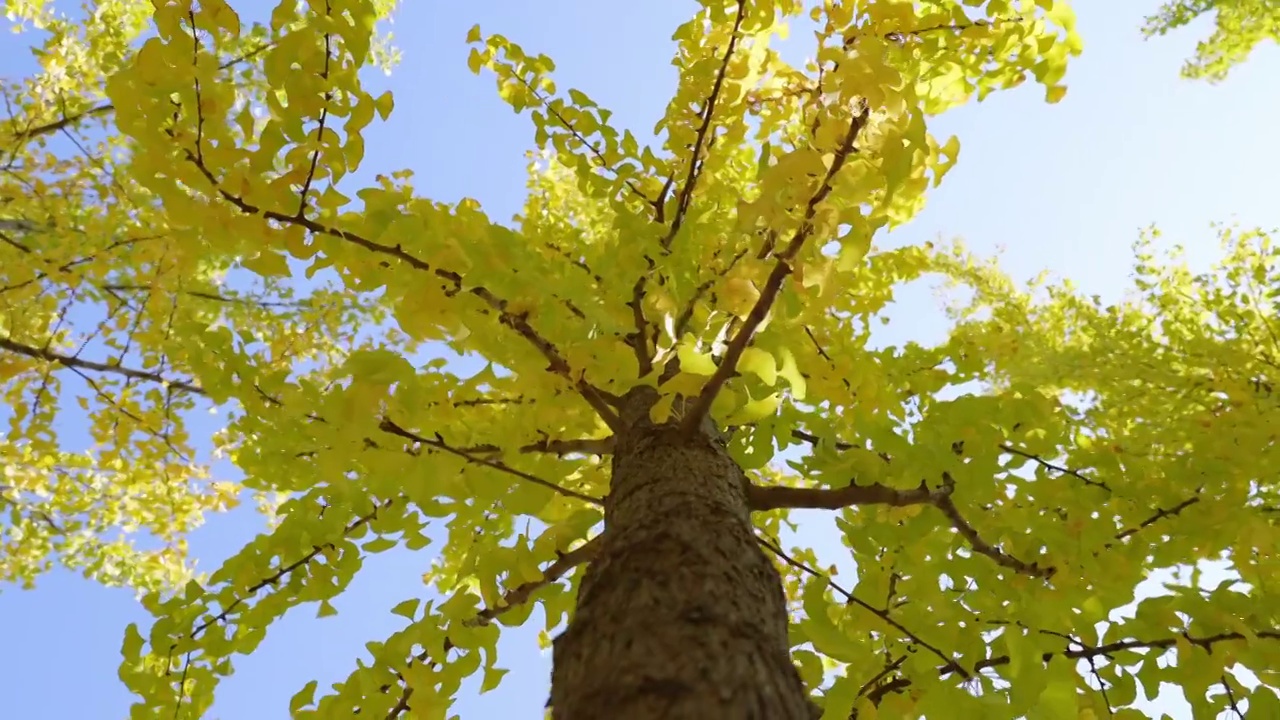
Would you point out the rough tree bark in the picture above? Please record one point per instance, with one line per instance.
(680, 615)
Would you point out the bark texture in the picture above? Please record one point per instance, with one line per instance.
(681, 616)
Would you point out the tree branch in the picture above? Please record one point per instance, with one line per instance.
(320, 122)
(1160, 514)
(870, 689)
(511, 599)
(1089, 652)
(573, 131)
(823, 498)
(639, 340)
(519, 594)
(67, 121)
(1056, 468)
(74, 362)
(851, 599)
(213, 297)
(948, 507)
(438, 443)
(595, 397)
(1231, 698)
(1082, 651)
(285, 570)
(554, 446)
(1206, 642)
(698, 410)
(761, 499)
(562, 447)
(685, 196)
(814, 440)
(686, 315)
(22, 507)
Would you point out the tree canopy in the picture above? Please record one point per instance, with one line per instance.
(93, 286)
(1239, 27)
(176, 238)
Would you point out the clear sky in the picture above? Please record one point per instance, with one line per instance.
(1063, 187)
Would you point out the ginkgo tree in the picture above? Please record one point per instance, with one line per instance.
(657, 326)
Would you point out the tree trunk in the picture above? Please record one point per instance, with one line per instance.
(680, 616)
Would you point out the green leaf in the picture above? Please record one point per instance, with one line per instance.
(380, 544)
(693, 361)
(755, 410)
(791, 373)
(839, 699)
(818, 629)
(492, 678)
(760, 363)
(267, 264)
(407, 609)
(379, 365)
(1264, 703)
(303, 697)
(1058, 701)
(131, 648)
(384, 104)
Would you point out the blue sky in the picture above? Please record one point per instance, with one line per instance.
(1064, 187)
